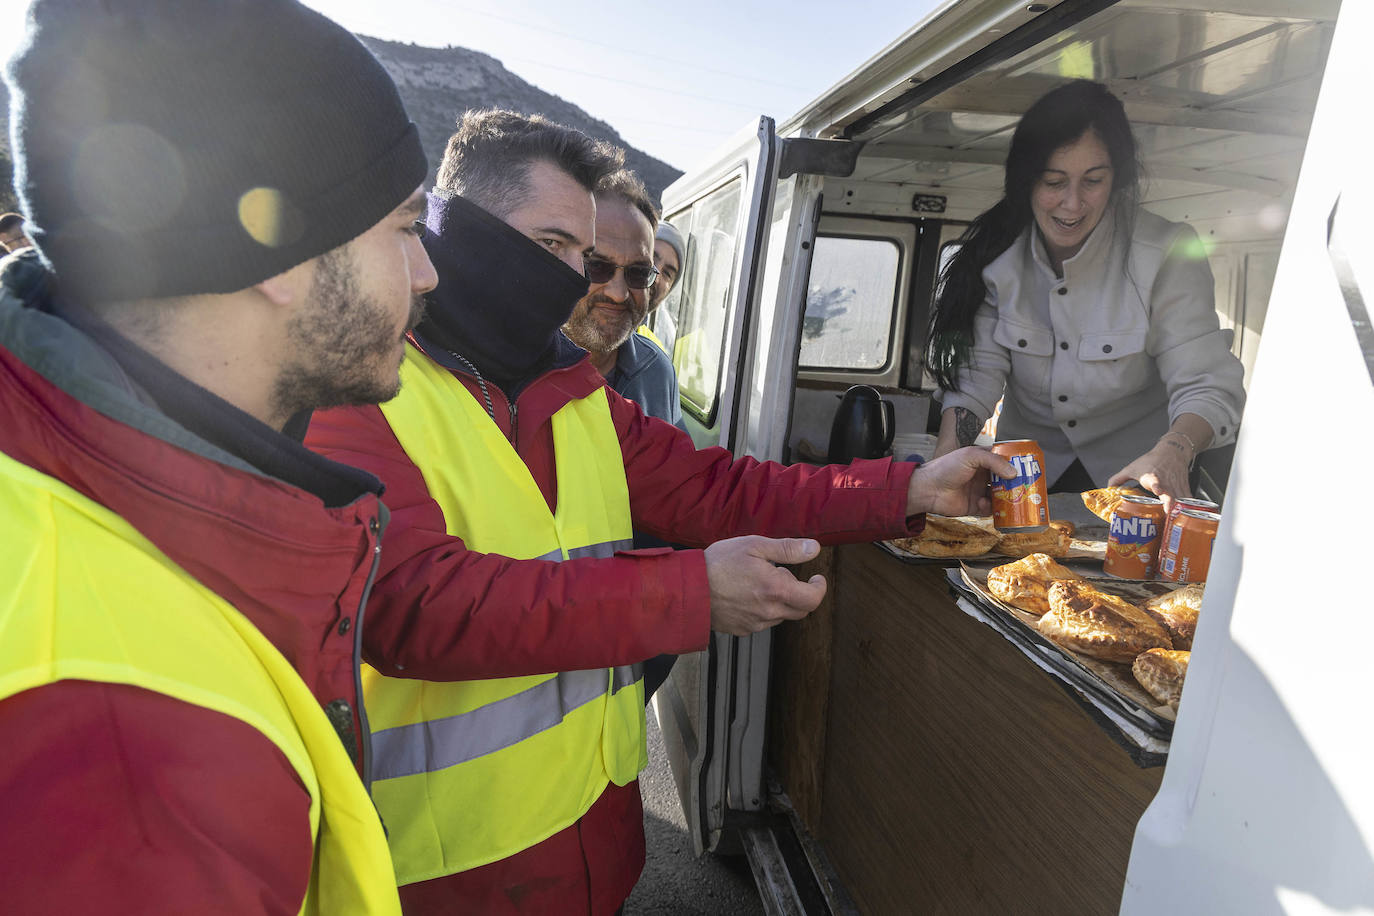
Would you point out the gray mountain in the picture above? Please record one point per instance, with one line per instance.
(439, 84)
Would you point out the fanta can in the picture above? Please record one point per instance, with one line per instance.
(1188, 552)
(1186, 502)
(1021, 503)
(1133, 542)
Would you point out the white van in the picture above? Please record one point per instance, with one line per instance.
(894, 753)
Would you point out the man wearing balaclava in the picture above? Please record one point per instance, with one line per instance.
(508, 620)
(226, 194)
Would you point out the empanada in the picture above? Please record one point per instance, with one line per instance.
(949, 537)
(1161, 673)
(1025, 584)
(1177, 612)
(1096, 623)
(1052, 542)
(1102, 502)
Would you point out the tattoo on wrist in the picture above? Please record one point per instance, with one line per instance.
(1192, 447)
(966, 426)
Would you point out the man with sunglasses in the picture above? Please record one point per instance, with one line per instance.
(508, 620)
(622, 275)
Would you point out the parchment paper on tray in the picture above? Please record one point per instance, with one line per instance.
(1107, 675)
(1089, 537)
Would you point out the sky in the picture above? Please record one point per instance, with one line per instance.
(676, 80)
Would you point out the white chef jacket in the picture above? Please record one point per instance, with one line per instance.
(1098, 364)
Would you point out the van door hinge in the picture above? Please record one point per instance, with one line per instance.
(831, 158)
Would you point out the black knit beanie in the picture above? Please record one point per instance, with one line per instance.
(174, 147)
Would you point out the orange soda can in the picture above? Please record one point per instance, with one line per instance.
(1021, 503)
(1186, 502)
(1133, 542)
(1188, 552)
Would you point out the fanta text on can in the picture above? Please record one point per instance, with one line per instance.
(1021, 503)
(1188, 552)
(1133, 542)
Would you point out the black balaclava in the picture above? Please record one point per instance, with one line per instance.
(501, 300)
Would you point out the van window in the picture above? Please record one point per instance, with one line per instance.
(703, 293)
(850, 304)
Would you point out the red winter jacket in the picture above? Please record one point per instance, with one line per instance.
(116, 799)
(442, 612)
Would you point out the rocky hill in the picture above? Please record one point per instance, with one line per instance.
(437, 85)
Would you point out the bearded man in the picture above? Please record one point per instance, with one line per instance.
(622, 275)
(227, 193)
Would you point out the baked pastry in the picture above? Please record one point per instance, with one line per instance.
(1177, 613)
(949, 537)
(1161, 673)
(1102, 502)
(1052, 542)
(1025, 584)
(1105, 626)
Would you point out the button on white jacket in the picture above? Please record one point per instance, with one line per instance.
(1099, 363)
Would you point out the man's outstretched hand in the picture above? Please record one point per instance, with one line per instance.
(749, 592)
(955, 484)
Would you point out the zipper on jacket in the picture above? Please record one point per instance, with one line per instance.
(366, 736)
(513, 423)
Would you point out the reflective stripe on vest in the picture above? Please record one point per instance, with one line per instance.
(84, 596)
(470, 772)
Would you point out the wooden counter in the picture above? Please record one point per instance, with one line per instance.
(941, 770)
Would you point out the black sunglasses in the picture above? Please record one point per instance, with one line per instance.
(637, 276)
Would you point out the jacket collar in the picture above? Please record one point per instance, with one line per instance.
(564, 355)
(276, 552)
(82, 355)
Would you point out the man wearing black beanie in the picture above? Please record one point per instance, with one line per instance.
(227, 194)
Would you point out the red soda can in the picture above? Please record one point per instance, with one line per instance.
(1021, 503)
(1188, 552)
(1186, 502)
(1133, 542)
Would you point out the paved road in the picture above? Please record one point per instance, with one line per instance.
(675, 882)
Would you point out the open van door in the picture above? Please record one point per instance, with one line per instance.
(724, 215)
(1266, 804)
(749, 223)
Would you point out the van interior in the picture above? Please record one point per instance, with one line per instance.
(1220, 99)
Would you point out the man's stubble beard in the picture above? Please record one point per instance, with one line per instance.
(347, 351)
(583, 330)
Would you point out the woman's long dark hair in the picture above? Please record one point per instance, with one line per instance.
(1057, 119)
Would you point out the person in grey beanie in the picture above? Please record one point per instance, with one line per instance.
(227, 194)
(670, 253)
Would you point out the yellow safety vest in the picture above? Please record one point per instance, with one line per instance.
(84, 596)
(644, 331)
(471, 772)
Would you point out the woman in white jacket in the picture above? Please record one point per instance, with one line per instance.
(1091, 318)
